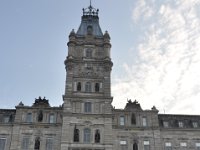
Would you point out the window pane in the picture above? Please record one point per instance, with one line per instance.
(89, 53)
(49, 144)
(88, 87)
(168, 146)
(180, 124)
(29, 117)
(25, 143)
(122, 121)
(87, 134)
(6, 119)
(51, 118)
(2, 143)
(144, 121)
(166, 124)
(195, 124)
(146, 145)
(183, 144)
(123, 143)
(88, 107)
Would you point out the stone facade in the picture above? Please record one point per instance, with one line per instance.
(87, 120)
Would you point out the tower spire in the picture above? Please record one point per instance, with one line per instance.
(90, 2)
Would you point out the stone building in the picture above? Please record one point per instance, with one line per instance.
(87, 120)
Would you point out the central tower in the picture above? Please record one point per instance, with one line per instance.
(87, 118)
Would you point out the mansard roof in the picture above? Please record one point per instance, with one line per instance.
(90, 23)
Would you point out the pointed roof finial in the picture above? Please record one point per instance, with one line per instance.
(90, 11)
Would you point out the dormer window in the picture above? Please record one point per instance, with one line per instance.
(194, 124)
(166, 124)
(180, 124)
(89, 30)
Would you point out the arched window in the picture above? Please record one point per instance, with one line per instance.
(133, 119)
(88, 87)
(87, 135)
(96, 87)
(135, 146)
(97, 136)
(76, 134)
(79, 86)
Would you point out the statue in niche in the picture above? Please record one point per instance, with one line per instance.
(97, 136)
(76, 134)
(40, 116)
(97, 87)
(37, 144)
(79, 86)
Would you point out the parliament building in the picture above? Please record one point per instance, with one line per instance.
(87, 120)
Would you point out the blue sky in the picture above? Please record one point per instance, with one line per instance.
(155, 50)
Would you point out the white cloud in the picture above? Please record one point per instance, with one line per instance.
(166, 72)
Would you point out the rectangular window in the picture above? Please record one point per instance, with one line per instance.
(25, 143)
(183, 144)
(2, 143)
(166, 124)
(123, 145)
(51, 118)
(29, 117)
(49, 144)
(146, 145)
(88, 107)
(75, 86)
(194, 124)
(88, 87)
(123, 142)
(180, 124)
(6, 119)
(197, 146)
(87, 134)
(122, 121)
(168, 146)
(144, 121)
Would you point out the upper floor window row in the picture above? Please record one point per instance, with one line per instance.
(87, 87)
(50, 119)
(179, 124)
(125, 120)
(87, 135)
(37, 143)
(7, 118)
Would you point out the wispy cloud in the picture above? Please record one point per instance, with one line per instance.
(166, 72)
